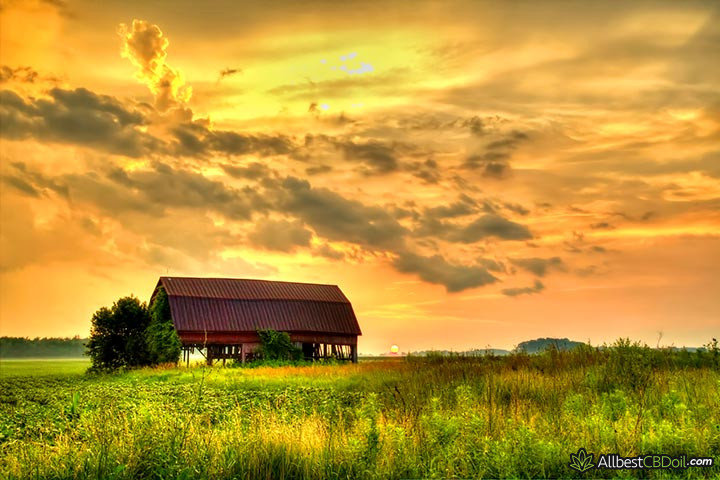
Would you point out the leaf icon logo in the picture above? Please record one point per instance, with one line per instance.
(581, 461)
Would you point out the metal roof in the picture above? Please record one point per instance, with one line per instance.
(242, 305)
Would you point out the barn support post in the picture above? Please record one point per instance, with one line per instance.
(353, 353)
(210, 355)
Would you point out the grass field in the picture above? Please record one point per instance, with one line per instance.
(518, 416)
(43, 367)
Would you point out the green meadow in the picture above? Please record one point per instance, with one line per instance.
(517, 416)
(42, 367)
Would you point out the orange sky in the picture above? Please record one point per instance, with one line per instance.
(471, 174)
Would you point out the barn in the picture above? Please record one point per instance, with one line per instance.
(220, 317)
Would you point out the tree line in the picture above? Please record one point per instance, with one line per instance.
(24, 347)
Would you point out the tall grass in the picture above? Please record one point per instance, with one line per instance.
(424, 417)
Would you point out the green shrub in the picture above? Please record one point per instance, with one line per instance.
(162, 339)
(276, 345)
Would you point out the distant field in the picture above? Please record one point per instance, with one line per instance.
(42, 366)
(516, 416)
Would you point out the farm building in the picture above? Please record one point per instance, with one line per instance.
(220, 317)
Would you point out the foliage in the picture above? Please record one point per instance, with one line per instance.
(117, 336)
(19, 347)
(541, 344)
(517, 416)
(163, 342)
(276, 345)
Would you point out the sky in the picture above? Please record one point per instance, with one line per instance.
(470, 174)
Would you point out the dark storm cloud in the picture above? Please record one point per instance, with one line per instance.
(280, 235)
(513, 292)
(18, 74)
(494, 162)
(337, 218)
(538, 266)
(319, 169)
(463, 206)
(29, 181)
(475, 125)
(427, 171)
(327, 251)
(437, 270)
(490, 225)
(433, 121)
(102, 122)
(492, 265)
(253, 171)
(21, 185)
(491, 164)
(509, 142)
(151, 192)
(378, 157)
(170, 187)
(76, 117)
(516, 208)
(195, 139)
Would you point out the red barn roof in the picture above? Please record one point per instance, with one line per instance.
(240, 305)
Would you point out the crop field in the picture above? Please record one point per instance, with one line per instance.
(43, 367)
(517, 416)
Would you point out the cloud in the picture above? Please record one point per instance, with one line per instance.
(346, 87)
(319, 169)
(18, 74)
(82, 117)
(337, 218)
(513, 292)
(492, 265)
(601, 225)
(227, 72)
(538, 266)
(437, 270)
(280, 235)
(490, 225)
(509, 142)
(327, 251)
(195, 139)
(463, 206)
(492, 165)
(427, 171)
(146, 47)
(516, 208)
(21, 185)
(378, 156)
(253, 171)
(168, 187)
(78, 117)
(151, 192)
(27, 241)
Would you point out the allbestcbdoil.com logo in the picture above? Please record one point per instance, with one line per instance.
(583, 461)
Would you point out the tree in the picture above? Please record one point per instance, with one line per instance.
(162, 338)
(276, 345)
(117, 337)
